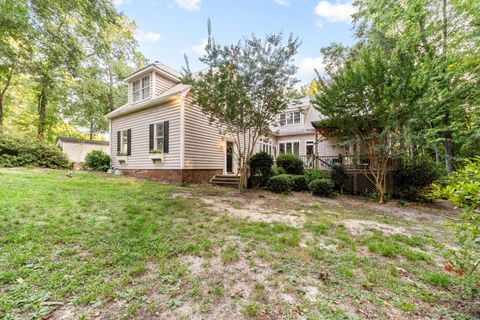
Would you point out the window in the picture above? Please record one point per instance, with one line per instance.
(290, 118)
(123, 149)
(158, 141)
(309, 148)
(141, 89)
(289, 147)
(266, 146)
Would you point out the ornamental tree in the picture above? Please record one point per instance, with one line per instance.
(244, 87)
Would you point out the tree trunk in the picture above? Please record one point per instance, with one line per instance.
(2, 94)
(42, 113)
(111, 100)
(1, 114)
(437, 155)
(91, 131)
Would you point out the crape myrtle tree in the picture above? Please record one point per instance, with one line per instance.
(244, 88)
(365, 103)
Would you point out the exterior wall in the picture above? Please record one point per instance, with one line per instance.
(162, 84)
(158, 85)
(76, 152)
(204, 145)
(139, 123)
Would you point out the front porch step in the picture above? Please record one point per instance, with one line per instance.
(225, 180)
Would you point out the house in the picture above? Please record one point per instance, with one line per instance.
(294, 133)
(160, 134)
(77, 149)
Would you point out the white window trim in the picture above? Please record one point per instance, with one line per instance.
(292, 142)
(312, 143)
(123, 146)
(293, 117)
(141, 88)
(155, 143)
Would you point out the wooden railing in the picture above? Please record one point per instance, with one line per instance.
(349, 162)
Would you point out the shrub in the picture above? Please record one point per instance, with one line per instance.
(97, 160)
(291, 163)
(321, 187)
(339, 176)
(299, 183)
(260, 168)
(278, 170)
(313, 174)
(463, 189)
(414, 178)
(282, 183)
(17, 152)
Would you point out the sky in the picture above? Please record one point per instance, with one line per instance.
(168, 29)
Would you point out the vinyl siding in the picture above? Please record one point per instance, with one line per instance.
(203, 142)
(139, 123)
(162, 84)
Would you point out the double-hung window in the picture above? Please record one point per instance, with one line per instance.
(290, 118)
(141, 89)
(158, 140)
(124, 142)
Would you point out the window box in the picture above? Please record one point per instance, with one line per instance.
(156, 157)
(122, 159)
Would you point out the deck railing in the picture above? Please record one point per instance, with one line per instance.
(349, 162)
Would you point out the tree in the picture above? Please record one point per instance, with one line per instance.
(444, 36)
(364, 102)
(244, 88)
(62, 33)
(13, 45)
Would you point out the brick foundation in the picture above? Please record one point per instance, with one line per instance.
(174, 175)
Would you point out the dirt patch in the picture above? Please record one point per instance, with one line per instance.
(253, 212)
(358, 227)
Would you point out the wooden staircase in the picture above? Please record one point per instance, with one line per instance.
(225, 180)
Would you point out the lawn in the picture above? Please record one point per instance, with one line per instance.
(104, 247)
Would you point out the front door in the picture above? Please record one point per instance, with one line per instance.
(229, 156)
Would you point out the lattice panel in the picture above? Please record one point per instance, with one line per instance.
(358, 183)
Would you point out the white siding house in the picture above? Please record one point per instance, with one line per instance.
(160, 134)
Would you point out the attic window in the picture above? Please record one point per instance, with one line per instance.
(141, 89)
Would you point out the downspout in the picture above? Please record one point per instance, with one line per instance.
(182, 133)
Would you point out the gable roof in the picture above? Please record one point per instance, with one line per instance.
(160, 68)
(171, 93)
(83, 141)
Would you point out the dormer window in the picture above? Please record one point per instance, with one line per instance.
(290, 118)
(141, 89)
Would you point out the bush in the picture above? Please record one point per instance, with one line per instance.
(291, 163)
(16, 152)
(278, 170)
(313, 174)
(260, 168)
(321, 187)
(414, 178)
(339, 176)
(299, 183)
(463, 189)
(97, 160)
(282, 183)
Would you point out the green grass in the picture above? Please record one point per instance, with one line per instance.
(97, 242)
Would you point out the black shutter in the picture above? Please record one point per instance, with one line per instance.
(150, 134)
(119, 141)
(165, 136)
(129, 142)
